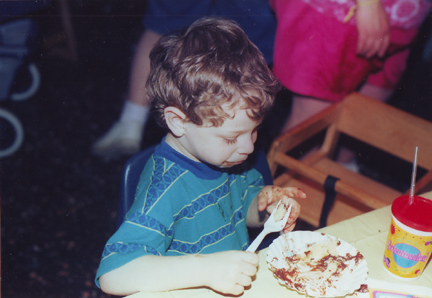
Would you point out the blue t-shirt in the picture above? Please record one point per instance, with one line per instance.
(183, 207)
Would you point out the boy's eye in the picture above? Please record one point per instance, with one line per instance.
(230, 141)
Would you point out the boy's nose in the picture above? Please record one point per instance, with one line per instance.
(247, 145)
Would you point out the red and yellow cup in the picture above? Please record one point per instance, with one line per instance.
(409, 241)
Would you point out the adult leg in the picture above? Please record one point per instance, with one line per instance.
(306, 107)
(124, 137)
(303, 108)
(345, 155)
(141, 68)
(376, 92)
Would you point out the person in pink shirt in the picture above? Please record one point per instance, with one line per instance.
(325, 50)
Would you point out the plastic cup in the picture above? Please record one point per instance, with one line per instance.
(409, 241)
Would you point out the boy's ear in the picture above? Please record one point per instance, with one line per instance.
(175, 120)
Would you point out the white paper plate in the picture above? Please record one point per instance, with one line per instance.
(350, 280)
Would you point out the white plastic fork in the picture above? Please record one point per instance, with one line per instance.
(270, 226)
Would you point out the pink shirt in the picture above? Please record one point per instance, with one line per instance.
(404, 14)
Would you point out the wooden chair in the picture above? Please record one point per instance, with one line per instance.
(371, 122)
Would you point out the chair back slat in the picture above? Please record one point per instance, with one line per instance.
(387, 128)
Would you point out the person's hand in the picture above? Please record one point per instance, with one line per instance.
(229, 272)
(269, 196)
(373, 29)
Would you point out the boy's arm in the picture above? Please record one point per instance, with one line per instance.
(254, 217)
(227, 272)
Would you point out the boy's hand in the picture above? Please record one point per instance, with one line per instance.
(229, 272)
(269, 196)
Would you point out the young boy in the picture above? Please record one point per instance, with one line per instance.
(211, 87)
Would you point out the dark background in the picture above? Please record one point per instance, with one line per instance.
(58, 201)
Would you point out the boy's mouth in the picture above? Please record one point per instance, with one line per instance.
(232, 163)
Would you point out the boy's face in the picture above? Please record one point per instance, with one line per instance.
(223, 146)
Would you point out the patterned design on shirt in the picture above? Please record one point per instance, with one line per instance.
(209, 239)
(202, 202)
(147, 222)
(404, 14)
(162, 180)
(252, 184)
(124, 248)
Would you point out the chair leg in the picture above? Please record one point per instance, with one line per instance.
(330, 141)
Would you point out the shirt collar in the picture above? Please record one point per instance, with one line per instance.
(199, 169)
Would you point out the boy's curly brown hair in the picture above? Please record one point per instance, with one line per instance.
(209, 65)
